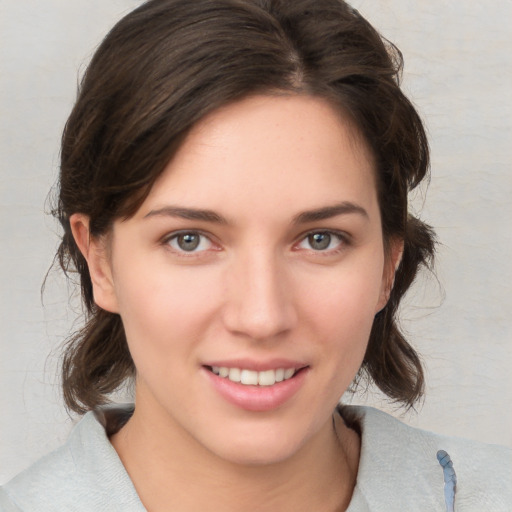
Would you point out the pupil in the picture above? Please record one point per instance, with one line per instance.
(188, 242)
(320, 241)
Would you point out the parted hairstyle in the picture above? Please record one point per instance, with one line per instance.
(169, 63)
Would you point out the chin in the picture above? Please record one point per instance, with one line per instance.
(258, 445)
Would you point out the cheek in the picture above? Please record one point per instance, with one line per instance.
(344, 301)
(340, 311)
(164, 310)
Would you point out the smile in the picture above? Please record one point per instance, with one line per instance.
(254, 378)
(257, 387)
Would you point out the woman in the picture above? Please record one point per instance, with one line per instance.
(233, 194)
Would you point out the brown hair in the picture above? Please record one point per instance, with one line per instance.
(169, 63)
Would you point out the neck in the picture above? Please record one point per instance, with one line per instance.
(167, 469)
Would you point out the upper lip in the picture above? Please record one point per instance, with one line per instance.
(255, 365)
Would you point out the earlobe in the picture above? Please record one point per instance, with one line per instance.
(95, 252)
(393, 260)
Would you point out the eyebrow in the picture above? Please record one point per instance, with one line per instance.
(326, 212)
(188, 214)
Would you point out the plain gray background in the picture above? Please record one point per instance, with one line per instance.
(458, 71)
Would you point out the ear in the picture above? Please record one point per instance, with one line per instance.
(95, 251)
(393, 258)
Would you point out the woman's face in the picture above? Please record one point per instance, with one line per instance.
(258, 255)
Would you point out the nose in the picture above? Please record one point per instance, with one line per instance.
(259, 303)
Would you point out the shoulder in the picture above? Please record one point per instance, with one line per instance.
(400, 464)
(84, 474)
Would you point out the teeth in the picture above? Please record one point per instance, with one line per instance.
(233, 374)
(248, 377)
(288, 373)
(267, 378)
(253, 378)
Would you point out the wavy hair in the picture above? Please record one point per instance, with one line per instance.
(169, 63)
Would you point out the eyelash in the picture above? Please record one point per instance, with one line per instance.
(182, 252)
(343, 240)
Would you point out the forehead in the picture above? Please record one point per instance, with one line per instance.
(274, 151)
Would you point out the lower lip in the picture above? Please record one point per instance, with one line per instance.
(257, 398)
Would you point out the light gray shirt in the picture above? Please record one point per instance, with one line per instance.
(399, 470)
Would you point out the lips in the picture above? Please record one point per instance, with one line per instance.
(256, 387)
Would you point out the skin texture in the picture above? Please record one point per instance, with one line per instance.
(254, 289)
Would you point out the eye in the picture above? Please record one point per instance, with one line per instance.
(189, 241)
(322, 241)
